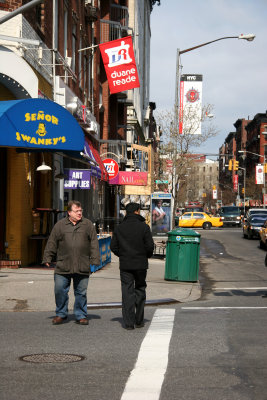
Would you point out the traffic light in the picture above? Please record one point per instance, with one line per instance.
(230, 165)
(265, 168)
(236, 165)
(243, 190)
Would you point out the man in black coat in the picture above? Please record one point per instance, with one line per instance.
(132, 242)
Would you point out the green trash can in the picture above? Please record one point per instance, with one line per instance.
(182, 255)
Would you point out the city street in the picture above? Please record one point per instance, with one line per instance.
(217, 345)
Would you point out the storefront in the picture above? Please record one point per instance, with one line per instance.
(32, 131)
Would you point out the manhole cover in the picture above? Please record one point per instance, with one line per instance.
(52, 358)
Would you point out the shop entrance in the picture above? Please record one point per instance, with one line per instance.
(3, 174)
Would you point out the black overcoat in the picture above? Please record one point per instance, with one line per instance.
(132, 242)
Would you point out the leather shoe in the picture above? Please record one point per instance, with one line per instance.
(58, 320)
(82, 321)
(129, 328)
(140, 325)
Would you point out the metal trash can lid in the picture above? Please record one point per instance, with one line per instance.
(183, 232)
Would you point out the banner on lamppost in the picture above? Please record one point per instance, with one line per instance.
(214, 194)
(119, 63)
(259, 176)
(190, 108)
(235, 181)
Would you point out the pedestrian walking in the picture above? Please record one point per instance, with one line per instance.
(132, 242)
(73, 243)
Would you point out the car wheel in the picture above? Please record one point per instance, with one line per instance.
(250, 236)
(206, 225)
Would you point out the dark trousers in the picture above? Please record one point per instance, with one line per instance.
(133, 289)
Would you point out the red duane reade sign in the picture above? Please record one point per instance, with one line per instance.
(119, 63)
(112, 167)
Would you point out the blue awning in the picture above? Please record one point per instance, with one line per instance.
(39, 124)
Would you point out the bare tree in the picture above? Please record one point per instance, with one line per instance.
(177, 148)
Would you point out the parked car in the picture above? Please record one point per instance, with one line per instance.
(263, 236)
(199, 220)
(230, 215)
(253, 225)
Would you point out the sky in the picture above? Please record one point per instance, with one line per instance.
(234, 71)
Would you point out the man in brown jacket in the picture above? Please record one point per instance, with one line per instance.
(73, 241)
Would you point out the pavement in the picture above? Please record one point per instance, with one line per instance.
(32, 289)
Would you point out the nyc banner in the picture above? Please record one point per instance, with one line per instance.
(190, 109)
(119, 63)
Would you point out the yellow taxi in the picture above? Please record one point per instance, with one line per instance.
(199, 220)
(263, 236)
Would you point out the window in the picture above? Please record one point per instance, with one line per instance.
(65, 32)
(198, 215)
(74, 41)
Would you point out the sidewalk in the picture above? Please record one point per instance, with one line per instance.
(32, 289)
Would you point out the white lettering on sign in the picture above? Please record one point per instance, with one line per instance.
(191, 78)
(77, 175)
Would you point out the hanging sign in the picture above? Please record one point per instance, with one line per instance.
(235, 182)
(119, 63)
(77, 179)
(112, 167)
(259, 174)
(190, 110)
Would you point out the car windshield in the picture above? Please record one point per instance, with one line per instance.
(258, 220)
(230, 210)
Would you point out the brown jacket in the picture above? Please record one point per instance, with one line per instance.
(74, 246)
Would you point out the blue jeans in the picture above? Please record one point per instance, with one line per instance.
(62, 287)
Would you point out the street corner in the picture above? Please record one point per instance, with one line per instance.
(194, 292)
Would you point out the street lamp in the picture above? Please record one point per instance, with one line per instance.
(249, 37)
(259, 155)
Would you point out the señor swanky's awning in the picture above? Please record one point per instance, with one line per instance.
(39, 124)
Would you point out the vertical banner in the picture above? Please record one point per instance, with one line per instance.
(190, 107)
(259, 176)
(119, 63)
(235, 181)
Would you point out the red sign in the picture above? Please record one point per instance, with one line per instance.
(235, 180)
(130, 178)
(119, 63)
(112, 167)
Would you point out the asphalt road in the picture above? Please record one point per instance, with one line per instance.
(215, 347)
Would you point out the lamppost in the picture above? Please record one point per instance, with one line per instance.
(248, 37)
(259, 155)
(245, 172)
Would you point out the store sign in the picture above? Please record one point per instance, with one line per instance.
(130, 178)
(112, 167)
(39, 124)
(119, 63)
(77, 179)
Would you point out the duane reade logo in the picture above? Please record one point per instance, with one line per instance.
(118, 55)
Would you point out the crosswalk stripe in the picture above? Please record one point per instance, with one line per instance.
(147, 377)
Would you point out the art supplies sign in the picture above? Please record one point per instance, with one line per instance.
(77, 179)
(119, 63)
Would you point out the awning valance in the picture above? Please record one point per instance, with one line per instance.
(93, 154)
(39, 124)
